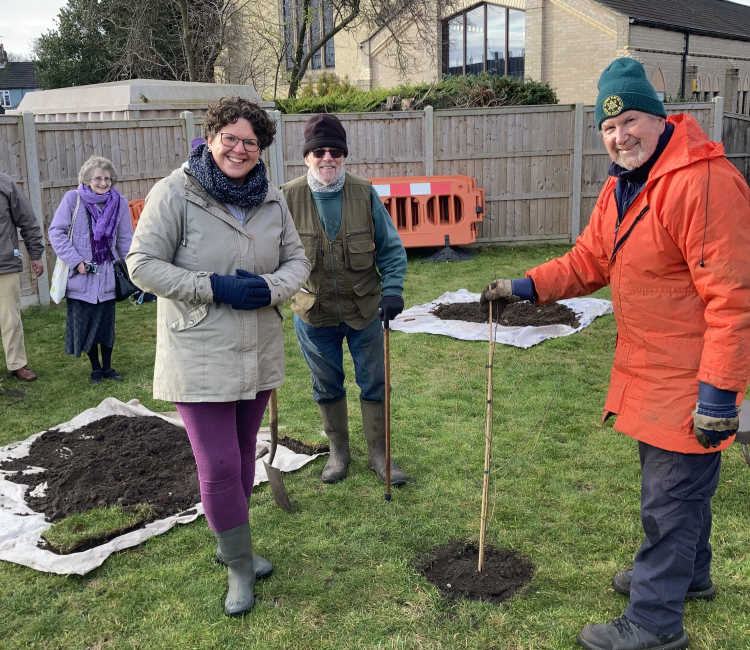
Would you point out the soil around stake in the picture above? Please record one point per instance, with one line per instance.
(453, 570)
(521, 313)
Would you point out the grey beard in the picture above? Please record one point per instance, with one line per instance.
(315, 184)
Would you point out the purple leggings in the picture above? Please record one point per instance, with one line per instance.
(223, 435)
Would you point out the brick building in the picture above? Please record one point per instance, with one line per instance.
(694, 49)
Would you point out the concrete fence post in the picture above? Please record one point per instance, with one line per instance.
(718, 128)
(276, 150)
(188, 121)
(576, 174)
(429, 138)
(35, 193)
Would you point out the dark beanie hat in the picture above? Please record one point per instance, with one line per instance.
(623, 86)
(324, 130)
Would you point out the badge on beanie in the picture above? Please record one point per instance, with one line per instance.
(612, 105)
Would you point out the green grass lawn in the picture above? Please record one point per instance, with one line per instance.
(563, 492)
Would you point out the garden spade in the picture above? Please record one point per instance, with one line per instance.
(278, 490)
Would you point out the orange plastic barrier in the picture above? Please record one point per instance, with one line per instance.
(136, 207)
(426, 209)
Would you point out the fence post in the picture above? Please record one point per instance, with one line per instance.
(576, 175)
(428, 133)
(718, 130)
(189, 127)
(276, 150)
(35, 194)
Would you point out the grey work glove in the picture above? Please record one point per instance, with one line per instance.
(496, 290)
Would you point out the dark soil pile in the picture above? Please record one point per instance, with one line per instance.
(521, 313)
(453, 570)
(115, 460)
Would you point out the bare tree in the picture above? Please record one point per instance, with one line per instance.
(288, 43)
(173, 39)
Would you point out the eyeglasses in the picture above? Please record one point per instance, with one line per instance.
(335, 153)
(229, 140)
(101, 179)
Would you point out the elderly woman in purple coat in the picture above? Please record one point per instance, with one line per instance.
(101, 233)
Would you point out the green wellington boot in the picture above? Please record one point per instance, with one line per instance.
(373, 423)
(236, 548)
(263, 568)
(336, 427)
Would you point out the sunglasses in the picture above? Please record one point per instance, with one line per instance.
(335, 153)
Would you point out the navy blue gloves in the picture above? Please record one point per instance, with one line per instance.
(390, 307)
(242, 291)
(715, 417)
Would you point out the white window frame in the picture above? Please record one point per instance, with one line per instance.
(5, 98)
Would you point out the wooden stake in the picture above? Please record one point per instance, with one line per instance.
(387, 405)
(487, 449)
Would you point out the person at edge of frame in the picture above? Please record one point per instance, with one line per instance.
(358, 267)
(16, 213)
(669, 234)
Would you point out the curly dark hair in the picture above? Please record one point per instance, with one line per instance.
(230, 109)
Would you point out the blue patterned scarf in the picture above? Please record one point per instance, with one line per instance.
(103, 209)
(252, 192)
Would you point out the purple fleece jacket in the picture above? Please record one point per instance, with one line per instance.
(89, 287)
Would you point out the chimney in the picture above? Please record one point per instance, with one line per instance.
(3, 56)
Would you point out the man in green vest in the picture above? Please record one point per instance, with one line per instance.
(358, 267)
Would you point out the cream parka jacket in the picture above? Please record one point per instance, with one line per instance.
(679, 269)
(207, 352)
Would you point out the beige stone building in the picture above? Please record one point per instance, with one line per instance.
(692, 49)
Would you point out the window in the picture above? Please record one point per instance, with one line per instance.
(321, 23)
(5, 98)
(486, 38)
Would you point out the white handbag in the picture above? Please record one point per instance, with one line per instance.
(59, 282)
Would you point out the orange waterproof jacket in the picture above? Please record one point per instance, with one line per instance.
(679, 268)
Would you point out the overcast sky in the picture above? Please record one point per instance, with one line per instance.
(23, 21)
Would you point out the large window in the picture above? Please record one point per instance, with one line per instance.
(321, 23)
(488, 38)
(5, 98)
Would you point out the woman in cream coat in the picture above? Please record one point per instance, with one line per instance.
(219, 249)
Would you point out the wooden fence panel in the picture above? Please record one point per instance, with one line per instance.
(142, 152)
(736, 139)
(380, 144)
(12, 150)
(521, 157)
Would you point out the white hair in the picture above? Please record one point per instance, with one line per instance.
(95, 162)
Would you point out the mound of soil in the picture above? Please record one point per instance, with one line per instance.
(115, 460)
(453, 570)
(522, 313)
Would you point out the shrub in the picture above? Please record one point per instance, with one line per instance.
(331, 95)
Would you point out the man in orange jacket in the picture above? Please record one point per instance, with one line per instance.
(669, 234)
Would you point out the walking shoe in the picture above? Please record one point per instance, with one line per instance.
(623, 634)
(96, 377)
(621, 584)
(111, 373)
(24, 374)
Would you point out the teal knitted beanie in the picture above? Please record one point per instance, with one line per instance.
(623, 86)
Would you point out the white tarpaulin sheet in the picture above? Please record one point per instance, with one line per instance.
(21, 527)
(421, 319)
